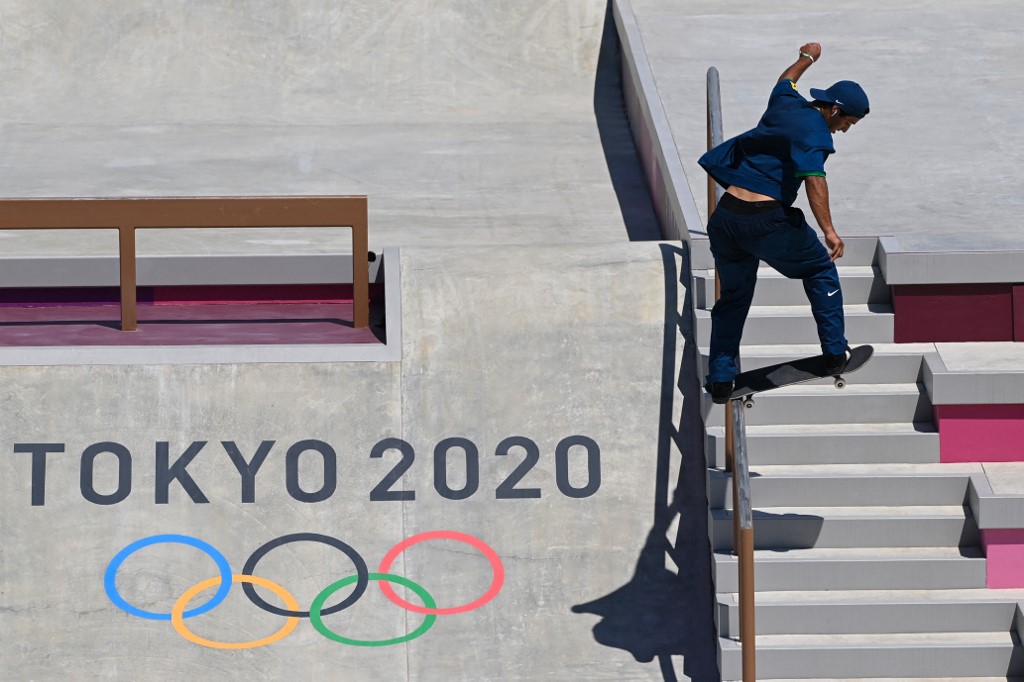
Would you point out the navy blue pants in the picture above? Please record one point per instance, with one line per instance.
(742, 233)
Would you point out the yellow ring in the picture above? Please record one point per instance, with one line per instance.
(178, 619)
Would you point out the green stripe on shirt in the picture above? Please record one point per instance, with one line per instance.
(807, 174)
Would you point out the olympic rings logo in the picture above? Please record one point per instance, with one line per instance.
(317, 611)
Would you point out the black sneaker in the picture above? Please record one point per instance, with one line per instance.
(720, 392)
(835, 364)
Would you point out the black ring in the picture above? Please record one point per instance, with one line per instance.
(361, 571)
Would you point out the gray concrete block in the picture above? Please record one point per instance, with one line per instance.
(768, 489)
(861, 285)
(782, 529)
(885, 366)
(795, 325)
(860, 250)
(215, 269)
(880, 613)
(857, 569)
(832, 444)
(975, 374)
(946, 656)
(855, 404)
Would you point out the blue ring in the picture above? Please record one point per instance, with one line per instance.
(111, 574)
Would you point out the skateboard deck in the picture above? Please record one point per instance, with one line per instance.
(794, 372)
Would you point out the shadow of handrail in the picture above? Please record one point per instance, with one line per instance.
(659, 614)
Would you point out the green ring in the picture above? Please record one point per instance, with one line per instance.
(318, 604)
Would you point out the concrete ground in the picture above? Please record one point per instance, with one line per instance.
(534, 407)
(938, 162)
(464, 125)
(490, 144)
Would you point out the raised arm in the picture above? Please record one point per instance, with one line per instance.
(802, 63)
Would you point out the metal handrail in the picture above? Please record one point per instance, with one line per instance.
(715, 136)
(127, 215)
(744, 540)
(714, 124)
(735, 433)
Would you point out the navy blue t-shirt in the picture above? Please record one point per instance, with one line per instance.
(790, 142)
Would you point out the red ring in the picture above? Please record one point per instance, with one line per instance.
(480, 545)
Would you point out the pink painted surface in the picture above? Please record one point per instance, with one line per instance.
(928, 313)
(980, 433)
(180, 325)
(178, 295)
(291, 293)
(1004, 557)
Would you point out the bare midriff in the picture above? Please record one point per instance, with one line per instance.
(747, 195)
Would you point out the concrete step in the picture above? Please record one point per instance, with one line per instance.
(811, 444)
(783, 528)
(824, 404)
(767, 325)
(837, 486)
(870, 568)
(892, 363)
(861, 284)
(1000, 678)
(890, 655)
(859, 251)
(867, 612)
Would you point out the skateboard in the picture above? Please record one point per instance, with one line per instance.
(794, 372)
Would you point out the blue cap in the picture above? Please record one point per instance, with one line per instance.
(846, 95)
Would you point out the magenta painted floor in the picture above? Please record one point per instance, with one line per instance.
(183, 325)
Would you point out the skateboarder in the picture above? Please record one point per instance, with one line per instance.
(761, 171)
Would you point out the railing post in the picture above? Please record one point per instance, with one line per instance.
(714, 110)
(735, 435)
(360, 274)
(126, 249)
(714, 138)
(744, 514)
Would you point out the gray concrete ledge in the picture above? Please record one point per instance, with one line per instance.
(995, 510)
(670, 190)
(859, 251)
(975, 373)
(901, 266)
(184, 270)
(237, 354)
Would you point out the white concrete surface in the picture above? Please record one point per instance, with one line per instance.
(463, 123)
(1006, 478)
(996, 357)
(489, 353)
(937, 161)
(472, 128)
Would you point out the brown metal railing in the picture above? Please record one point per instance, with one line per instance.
(743, 538)
(128, 215)
(735, 435)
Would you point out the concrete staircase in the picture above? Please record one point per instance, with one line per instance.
(867, 562)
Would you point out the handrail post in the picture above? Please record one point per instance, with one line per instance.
(126, 253)
(360, 274)
(735, 434)
(714, 110)
(745, 515)
(714, 138)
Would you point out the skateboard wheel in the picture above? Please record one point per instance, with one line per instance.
(840, 382)
(748, 403)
